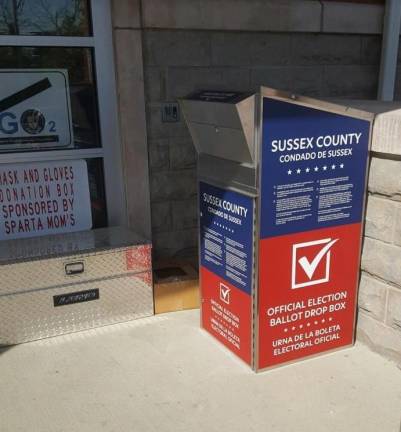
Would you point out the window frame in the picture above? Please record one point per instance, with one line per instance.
(105, 78)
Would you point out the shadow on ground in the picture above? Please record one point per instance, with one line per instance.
(3, 349)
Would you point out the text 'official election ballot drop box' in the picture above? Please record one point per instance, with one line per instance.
(282, 185)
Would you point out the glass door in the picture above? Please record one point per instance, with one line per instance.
(58, 103)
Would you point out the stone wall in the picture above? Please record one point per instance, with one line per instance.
(177, 62)
(379, 320)
(313, 47)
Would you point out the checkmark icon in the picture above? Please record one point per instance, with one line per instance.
(306, 262)
(310, 267)
(225, 293)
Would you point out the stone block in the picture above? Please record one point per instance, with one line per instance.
(249, 15)
(158, 129)
(161, 216)
(155, 84)
(380, 218)
(386, 137)
(176, 48)
(382, 259)
(256, 49)
(183, 81)
(175, 14)
(126, 14)
(372, 297)
(322, 49)
(182, 153)
(175, 243)
(301, 80)
(185, 213)
(385, 178)
(307, 80)
(342, 17)
(371, 47)
(155, 127)
(231, 49)
(159, 156)
(350, 81)
(379, 337)
(276, 77)
(173, 185)
(394, 310)
(397, 228)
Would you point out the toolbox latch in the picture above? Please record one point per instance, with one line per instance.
(74, 268)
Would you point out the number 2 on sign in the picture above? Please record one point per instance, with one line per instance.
(52, 127)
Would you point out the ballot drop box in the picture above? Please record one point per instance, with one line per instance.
(282, 182)
(69, 282)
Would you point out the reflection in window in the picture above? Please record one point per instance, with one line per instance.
(97, 192)
(83, 95)
(45, 17)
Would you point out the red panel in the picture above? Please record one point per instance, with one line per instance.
(139, 258)
(307, 292)
(226, 314)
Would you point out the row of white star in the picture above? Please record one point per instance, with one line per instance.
(316, 169)
(301, 326)
(224, 227)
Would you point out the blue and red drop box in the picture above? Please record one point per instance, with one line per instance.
(226, 267)
(279, 270)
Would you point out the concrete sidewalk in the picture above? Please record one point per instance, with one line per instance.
(165, 374)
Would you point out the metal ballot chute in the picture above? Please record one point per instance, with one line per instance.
(222, 128)
(282, 185)
(221, 124)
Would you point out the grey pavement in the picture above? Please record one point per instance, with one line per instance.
(165, 374)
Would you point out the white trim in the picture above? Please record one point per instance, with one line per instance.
(107, 95)
(51, 155)
(60, 41)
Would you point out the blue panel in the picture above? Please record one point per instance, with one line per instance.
(226, 234)
(313, 168)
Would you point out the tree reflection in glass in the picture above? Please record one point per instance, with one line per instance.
(45, 17)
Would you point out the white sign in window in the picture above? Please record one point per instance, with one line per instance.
(35, 109)
(41, 198)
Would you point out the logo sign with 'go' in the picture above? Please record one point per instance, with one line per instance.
(35, 109)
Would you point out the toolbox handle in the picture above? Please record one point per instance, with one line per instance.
(74, 268)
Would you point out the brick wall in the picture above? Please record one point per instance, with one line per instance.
(177, 62)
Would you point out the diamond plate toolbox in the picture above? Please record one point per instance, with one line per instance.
(70, 282)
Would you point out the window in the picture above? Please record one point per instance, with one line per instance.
(45, 17)
(72, 38)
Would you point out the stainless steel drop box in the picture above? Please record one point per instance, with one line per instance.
(69, 282)
(282, 182)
